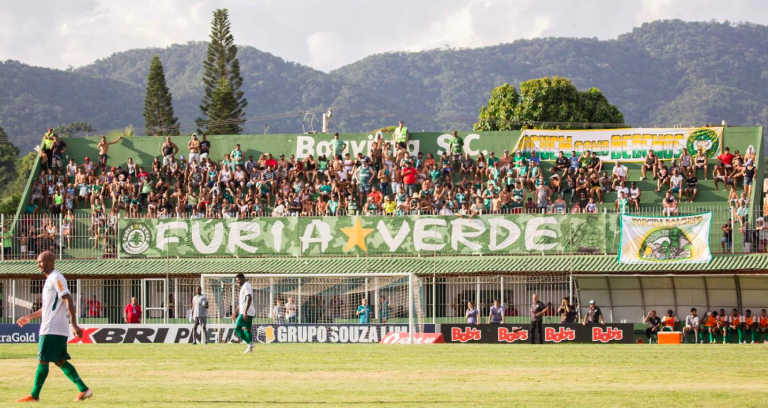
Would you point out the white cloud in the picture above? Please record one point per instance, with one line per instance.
(480, 23)
(326, 34)
(327, 50)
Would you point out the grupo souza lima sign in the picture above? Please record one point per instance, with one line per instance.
(649, 240)
(555, 333)
(630, 145)
(296, 236)
(325, 333)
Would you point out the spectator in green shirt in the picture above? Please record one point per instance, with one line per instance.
(456, 145)
(364, 312)
(338, 146)
(586, 159)
(7, 239)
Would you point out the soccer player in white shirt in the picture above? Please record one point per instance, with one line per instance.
(244, 312)
(54, 330)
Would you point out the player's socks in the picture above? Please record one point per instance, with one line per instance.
(40, 376)
(741, 335)
(71, 373)
(711, 338)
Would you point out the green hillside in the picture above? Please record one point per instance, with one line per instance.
(662, 73)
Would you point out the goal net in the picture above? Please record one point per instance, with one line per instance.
(321, 299)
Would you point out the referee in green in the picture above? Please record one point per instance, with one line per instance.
(54, 329)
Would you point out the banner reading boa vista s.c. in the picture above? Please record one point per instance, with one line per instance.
(629, 145)
(648, 240)
(409, 235)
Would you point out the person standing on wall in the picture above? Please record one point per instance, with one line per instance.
(537, 320)
(401, 136)
(338, 146)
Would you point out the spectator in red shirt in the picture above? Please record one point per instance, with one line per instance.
(94, 307)
(376, 195)
(409, 178)
(270, 162)
(133, 312)
(726, 157)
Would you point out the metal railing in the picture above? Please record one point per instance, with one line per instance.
(443, 299)
(83, 236)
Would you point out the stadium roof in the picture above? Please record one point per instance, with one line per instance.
(595, 264)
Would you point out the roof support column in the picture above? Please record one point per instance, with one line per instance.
(642, 296)
(610, 295)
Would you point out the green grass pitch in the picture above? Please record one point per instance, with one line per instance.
(376, 375)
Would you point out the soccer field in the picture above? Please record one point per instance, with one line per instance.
(375, 375)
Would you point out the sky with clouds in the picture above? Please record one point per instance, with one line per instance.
(326, 34)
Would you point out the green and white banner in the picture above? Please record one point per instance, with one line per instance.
(628, 145)
(409, 235)
(653, 240)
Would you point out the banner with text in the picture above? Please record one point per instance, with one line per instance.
(408, 235)
(628, 145)
(553, 333)
(224, 333)
(648, 240)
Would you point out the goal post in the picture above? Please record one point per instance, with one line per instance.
(321, 299)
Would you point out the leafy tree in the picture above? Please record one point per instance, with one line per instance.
(9, 204)
(222, 67)
(158, 103)
(499, 114)
(223, 103)
(73, 128)
(598, 110)
(546, 102)
(549, 100)
(9, 155)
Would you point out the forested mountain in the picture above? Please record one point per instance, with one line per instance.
(662, 73)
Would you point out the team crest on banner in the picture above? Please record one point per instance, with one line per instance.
(665, 239)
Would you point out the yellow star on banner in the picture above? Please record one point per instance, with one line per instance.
(356, 235)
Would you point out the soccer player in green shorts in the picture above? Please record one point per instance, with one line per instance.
(246, 309)
(54, 330)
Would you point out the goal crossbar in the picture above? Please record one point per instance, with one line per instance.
(404, 293)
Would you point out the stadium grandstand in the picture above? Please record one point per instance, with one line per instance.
(475, 216)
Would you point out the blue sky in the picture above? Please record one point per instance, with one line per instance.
(326, 34)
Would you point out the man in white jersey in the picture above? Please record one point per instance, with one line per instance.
(58, 306)
(200, 314)
(244, 312)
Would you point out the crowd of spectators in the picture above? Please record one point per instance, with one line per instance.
(388, 180)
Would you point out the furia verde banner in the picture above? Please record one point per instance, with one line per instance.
(629, 145)
(410, 235)
(649, 240)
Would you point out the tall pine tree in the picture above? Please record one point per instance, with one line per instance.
(222, 105)
(158, 104)
(222, 68)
